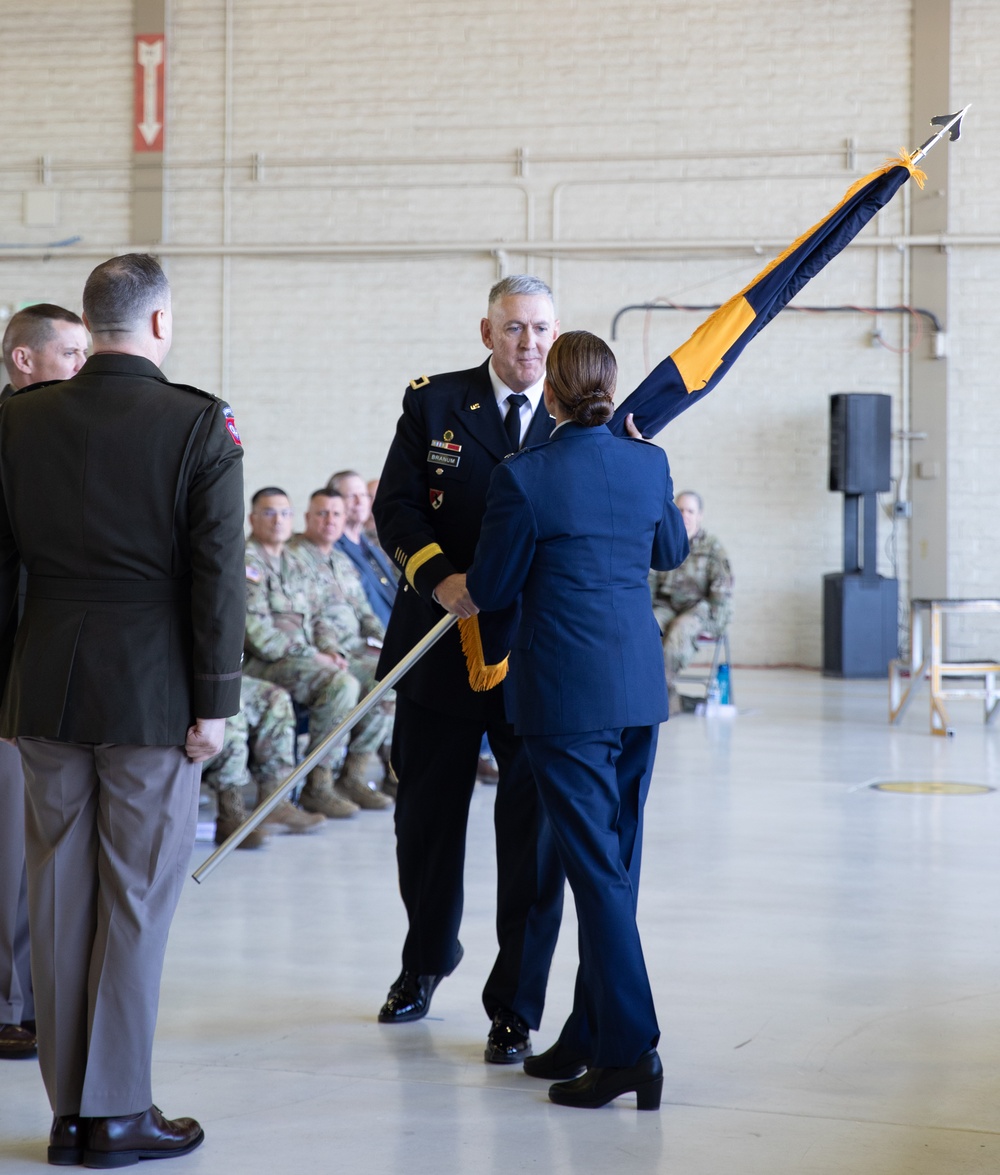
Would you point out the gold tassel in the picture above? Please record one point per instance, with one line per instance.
(906, 159)
(482, 677)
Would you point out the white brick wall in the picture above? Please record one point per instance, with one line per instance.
(974, 343)
(389, 123)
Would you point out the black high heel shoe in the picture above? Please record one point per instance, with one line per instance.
(597, 1087)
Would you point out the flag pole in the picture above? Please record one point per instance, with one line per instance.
(266, 807)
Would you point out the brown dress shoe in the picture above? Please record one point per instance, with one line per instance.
(66, 1140)
(120, 1142)
(17, 1041)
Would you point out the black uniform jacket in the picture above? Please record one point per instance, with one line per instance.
(431, 500)
(123, 496)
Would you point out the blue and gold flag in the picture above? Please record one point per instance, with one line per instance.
(696, 366)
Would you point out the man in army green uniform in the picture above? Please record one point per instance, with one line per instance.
(348, 625)
(258, 747)
(286, 640)
(695, 598)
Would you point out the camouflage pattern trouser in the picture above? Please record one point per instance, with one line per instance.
(680, 641)
(362, 665)
(259, 741)
(330, 694)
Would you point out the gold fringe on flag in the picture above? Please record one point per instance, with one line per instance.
(482, 677)
(906, 159)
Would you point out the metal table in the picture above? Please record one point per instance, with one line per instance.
(929, 664)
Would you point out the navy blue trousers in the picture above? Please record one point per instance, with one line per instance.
(593, 787)
(436, 757)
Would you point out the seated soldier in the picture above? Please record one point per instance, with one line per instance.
(259, 747)
(693, 599)
(283, 635)
(347, 624)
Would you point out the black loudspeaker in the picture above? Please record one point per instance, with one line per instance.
(860, 442)
(860, 634)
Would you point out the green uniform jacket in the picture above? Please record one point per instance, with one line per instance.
(123, 496)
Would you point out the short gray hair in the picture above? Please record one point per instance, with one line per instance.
(123, 292)
(691, 494)
(333, 485)
(519, 283)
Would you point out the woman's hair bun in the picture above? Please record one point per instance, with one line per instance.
(582, 373)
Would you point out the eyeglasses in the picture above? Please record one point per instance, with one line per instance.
(271, 515)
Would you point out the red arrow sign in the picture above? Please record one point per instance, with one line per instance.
(149, 118)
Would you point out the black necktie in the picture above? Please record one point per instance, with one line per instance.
(512, 421)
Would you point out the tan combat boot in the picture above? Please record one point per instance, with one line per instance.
(230, 814)
(286, 815)
(319, 796)
(357, 781)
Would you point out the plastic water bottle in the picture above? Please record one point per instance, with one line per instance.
(711, 704)
(722, 683)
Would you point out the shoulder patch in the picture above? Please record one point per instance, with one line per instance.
(420, 382)
(254, 574)
(230, 422)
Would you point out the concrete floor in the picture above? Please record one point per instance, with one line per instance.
(825, 959)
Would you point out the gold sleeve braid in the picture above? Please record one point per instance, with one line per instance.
(418, 559)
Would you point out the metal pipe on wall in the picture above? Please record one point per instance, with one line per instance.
(599, 249)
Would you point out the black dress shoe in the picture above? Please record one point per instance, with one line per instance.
(597, 1087)
(66, 1140)
(120, 1142)
(409, 997)
(509, 1040)
(17, 1041)
(557, 1063)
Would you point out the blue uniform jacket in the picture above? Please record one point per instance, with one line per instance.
(430, 502)
(572, 527)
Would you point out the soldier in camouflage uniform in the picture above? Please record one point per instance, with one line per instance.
(347, 623)
(258, 747)
(695, 598)
(283, 634)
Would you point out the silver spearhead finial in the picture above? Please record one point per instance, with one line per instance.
(948, 123)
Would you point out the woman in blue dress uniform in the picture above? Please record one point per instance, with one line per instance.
(571, 529)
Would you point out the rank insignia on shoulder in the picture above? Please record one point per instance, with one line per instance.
(447, 443)
(437, 497)
(230, 422)
(421, 382)
(253, 573)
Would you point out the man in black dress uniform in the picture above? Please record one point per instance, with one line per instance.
(454, 430)
(122, 495)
